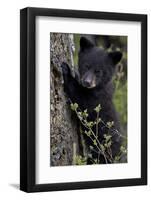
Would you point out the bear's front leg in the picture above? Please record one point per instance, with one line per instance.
(66, 73)
(71, 85)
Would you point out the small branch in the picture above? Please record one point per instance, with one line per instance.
(97, 124)
(99, 148)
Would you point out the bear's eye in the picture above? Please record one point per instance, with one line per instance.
(87, 66)
(97, 71)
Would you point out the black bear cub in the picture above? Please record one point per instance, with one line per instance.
(93, 86)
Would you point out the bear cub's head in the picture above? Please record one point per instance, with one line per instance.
(96, 66)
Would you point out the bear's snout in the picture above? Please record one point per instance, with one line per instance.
(89, 80)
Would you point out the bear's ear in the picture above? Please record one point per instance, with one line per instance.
(115, 56)
(85, 43)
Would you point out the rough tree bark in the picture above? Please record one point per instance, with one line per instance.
(63, 129)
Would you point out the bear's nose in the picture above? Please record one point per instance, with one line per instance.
(87, 83)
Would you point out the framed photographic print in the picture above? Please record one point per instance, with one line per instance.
(83, 99)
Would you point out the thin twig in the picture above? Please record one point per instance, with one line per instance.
(97, 124)
(102, 152)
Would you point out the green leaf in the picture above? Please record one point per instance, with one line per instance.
(98, 108)
(122, 149)
(88, 133)
(108, 144)
(94, 142)
(85, 114)
(107, 137)
(117, 158)
(90, 124)
(85, 111)
(74, 106)
(98, 120)
(110, 124)
(102, 147)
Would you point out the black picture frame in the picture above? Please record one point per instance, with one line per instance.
(28, 98)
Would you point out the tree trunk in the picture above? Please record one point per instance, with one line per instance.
(63, 129)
